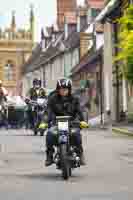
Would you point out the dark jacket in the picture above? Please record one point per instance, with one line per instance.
(2, 97)
(51, 94)
(60, 106)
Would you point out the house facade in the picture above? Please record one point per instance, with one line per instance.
(115, 86)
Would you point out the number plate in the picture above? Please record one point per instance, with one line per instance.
(63, 139)
(63, 126)
(32, 108)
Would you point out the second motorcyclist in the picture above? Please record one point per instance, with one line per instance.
(3, 99)
(33, 94)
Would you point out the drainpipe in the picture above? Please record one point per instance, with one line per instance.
(78, 22)
(117, 74)
(66, 28)
(101, 90)
(66, 36)
(124, 92)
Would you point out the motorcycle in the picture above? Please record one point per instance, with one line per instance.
(39, 113)
(67, 156)
(42, 115)
(2, 114)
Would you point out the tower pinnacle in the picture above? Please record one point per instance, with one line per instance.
(32, 21)
(13, 21)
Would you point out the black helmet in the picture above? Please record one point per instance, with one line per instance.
(0, 82)
(39, 82)
(35, 81)
(64, 83)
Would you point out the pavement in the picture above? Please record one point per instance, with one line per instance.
(124, 128)
(107, 175)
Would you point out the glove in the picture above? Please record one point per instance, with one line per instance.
(84, 124)
(43, 126)
(27, 100)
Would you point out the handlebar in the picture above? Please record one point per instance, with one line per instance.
(35, 102)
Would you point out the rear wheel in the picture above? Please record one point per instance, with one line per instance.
(70, 171)
(1, 117)
(65, 165)
(45, 118)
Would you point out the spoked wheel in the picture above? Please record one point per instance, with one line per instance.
(45, 118)
(42, 133)
(35, 128)
(70, 171)
(35, 131)
(1, 117)
(65, 165)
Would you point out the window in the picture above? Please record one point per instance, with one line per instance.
(8, 71)
(95, 12)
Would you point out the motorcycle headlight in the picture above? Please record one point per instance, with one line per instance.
(73, 130)
(84, 125)
(63, 126)
(55, 132)
(43, 126)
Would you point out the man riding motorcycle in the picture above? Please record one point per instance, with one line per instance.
(35, 92)
(3, 92)
(63, 103)
(3, 99)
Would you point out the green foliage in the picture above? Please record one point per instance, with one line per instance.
(126, 44)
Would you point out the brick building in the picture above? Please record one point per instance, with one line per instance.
(65, 8)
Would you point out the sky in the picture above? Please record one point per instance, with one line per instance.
(45, 13)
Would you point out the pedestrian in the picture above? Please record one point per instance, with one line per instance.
(84, 103)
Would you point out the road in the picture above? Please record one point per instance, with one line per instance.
(108, 174)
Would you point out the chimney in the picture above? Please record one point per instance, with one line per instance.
(85, 40)
(52, 34)
(48, 40)
(82, 13)
(43, 43)
(78, 22)
(65, 28)
(56, 31)
(89, 15)
(83, 17)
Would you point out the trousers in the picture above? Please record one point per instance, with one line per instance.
(52, 139)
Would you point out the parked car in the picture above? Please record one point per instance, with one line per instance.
(16, 111)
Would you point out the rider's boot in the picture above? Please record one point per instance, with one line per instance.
(82, 157)
(49, 158)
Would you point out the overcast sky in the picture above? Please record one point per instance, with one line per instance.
(45, 13)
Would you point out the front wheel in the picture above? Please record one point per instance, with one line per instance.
(65, 165)
(1, 117)
(35, 131)
(41, 133)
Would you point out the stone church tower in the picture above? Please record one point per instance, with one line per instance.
(15, 48)
(64, 8)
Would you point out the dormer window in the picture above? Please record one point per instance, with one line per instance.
(9, 71)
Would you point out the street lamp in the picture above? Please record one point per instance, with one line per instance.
(101, 90)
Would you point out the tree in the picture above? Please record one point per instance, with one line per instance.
(126, 44)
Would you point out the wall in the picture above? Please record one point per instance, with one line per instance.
(16, 51)
(60, 67)
(108, 72)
